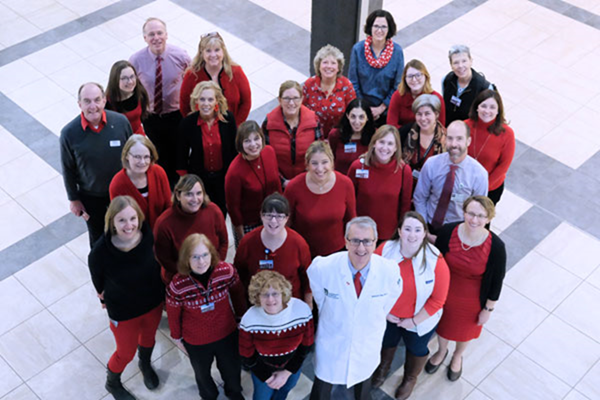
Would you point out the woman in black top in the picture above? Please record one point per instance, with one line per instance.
(125, 94)
(127, 279)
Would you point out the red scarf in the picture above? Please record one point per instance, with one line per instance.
(384, 57)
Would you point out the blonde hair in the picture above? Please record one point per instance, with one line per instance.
(380, 133)
(290, 85)
(418, 65)
(132, 141)
(263, 280)
(188, 246)
(117, 205)
(325, 52)
(208, 41)
(318, 146)
(221, 100)
(486, 203)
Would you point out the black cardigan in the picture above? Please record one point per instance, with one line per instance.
(190, 153)
(491, 283)
(449, 88)
(130, 280)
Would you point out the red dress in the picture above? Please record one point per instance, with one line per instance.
(462, 308)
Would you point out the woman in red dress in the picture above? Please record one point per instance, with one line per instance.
(351, 139)
(492, 141)
(125, 94)
(322, 201)
(382, 181)
(477, 261)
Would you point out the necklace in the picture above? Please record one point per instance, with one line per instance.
(462, 236)
(487, 137)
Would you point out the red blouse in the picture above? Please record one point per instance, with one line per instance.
(211, 145)
(400, 110)
(345, 153)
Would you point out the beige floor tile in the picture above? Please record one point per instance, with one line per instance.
(594, 278)
(529, 127)
(59, 114)
(51, 16)
(585, 4)
(572, 150)
(16, 75)
(10, 380)
(273, 75)
(4, 198)
(299, 392)
(515, 317)
(512, 8)
(487, 19)
(90, 42)
(483, 356)
(561, 349)
(509, 210)
(546, 20)
(81, 305)
(17, 30)
(586, 64)
(124, 27)
(519, 34)
(572, 249)
(566, 51)
(536, 69)
(104, 61)
(167, 10)
(541, 280)
(36, 344)
(39, 95)
(10, 147)
(574, 86)
(25, 8)
(86, 7)
(250, 58)
(21, 393)
(15, 224)
(24, 174)
(52, 58)
(581, 311)
(54, 276)
(71, 77)
(594, 104)
(47, 202)
(589, 384)
(80, 246)
(579, 124)
(548, 105)
(77, 376)
(6, 14)
(477, 395)
(575, 395)
(260, 97)
(520, 378)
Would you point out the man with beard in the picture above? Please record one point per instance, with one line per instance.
(448, 179)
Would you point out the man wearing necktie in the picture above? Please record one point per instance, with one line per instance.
(354, 291)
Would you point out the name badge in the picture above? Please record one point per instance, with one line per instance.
(265, 264)
(350, 148)
(362, 173)
(331, 295)
(456, 101)
(416, 173)
(429, 281)
(115, 323)
(115, 143)
(207, 307)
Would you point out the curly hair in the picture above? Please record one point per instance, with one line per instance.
(262, 281)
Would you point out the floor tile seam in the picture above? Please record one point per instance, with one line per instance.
(2, 358)
(583, 377)
(44, 225)
(561, 380)
(555, 263)
(476, 386)
(570, 7)
(534, 301)
(569, 323)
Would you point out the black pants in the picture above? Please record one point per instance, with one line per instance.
(495, 194)
(228, 363)
(214, 183)
(162, 131)
(321, 390)
(96, 208)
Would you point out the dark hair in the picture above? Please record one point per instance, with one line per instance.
(345, 128)
(425, 244)
(185, 184)
(277, 203)
(244, 131)
(388, 17)
(113, 93)
(496, 128)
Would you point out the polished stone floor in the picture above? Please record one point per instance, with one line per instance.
(543, 341)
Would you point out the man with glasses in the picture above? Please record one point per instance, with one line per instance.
(354, 291)
(160, 68)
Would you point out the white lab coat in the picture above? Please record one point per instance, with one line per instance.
(350, 330)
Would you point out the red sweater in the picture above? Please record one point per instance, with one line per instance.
(278, 136)
(291, 260)
(400, 110)
(384, 196)
(186, 296)
(159, 192)
(321, 218)
(344, 157)
(247, 183)
(236, 91)
(174, 226)
(495, 153)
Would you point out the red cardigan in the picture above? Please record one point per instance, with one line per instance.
(236, 91)
(321, 218)
(159, 192)
(174, 226)
(495, 153)
(343, 158)
(400, 110)
(384, 196)
(247, 183)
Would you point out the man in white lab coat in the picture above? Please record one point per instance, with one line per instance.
(354, 291)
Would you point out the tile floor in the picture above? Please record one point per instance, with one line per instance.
(543, 341)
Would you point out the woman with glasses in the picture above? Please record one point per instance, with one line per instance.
(252, 176)
(415, 81)
(204, 301)
(290, 128)
(125, 94)
(328, 92)
(213, 63)
(477, 261)
(275, 247)
(142, 179)
(191, 212)
(376, 64)
(322, 201)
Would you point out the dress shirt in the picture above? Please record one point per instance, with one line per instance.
(363, 272)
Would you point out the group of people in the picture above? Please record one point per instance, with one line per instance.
(381, 233)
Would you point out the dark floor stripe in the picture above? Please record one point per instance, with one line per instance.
(572, 11)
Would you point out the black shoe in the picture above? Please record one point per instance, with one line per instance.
(453, 376)
(150, 378)
(115, 387)
(431, 368)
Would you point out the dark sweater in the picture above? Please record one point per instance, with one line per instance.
(90, 160)
(130, 280)
(491, 283)
(449, 88)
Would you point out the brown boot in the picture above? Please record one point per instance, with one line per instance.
(387, 356)
(412, 368)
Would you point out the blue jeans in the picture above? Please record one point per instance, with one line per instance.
(262, 391)
(415, 344)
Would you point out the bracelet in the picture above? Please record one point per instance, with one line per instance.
(413, 320)
(488, 309)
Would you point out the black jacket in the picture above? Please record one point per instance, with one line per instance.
(450, 87)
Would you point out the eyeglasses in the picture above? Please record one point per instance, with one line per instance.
(380, 27)
(473, 215)
(140, 158)
(416, 76)
(357, 242)
(278, 217)
(198, 257)
(210, 34)
(291, 99)
(127, 78)
(266, 295)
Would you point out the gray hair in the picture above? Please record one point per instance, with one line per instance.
(362, 222)
(325, 52)
(430, 100)
(458, 49)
